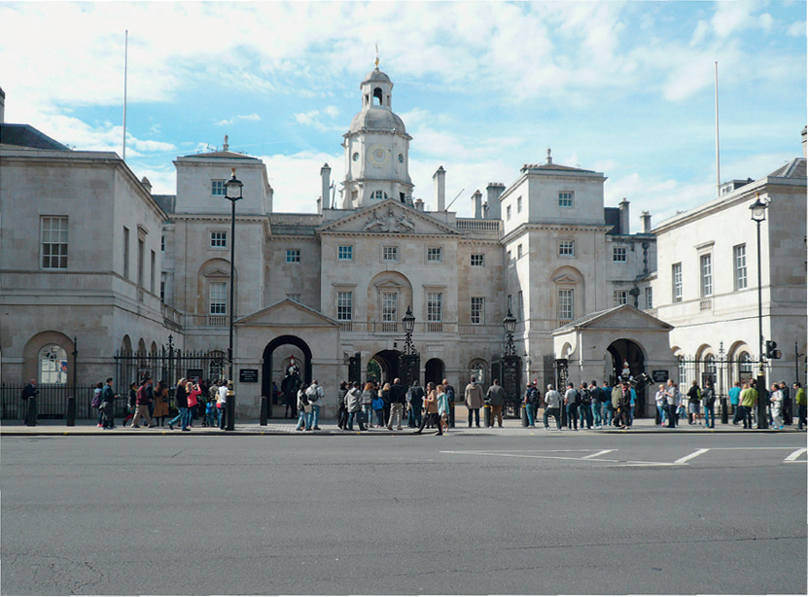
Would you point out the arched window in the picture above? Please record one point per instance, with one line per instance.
(744, 366)
(477, 370)
(377, 96)
(52, 365)
(682, 370)
(378, 195)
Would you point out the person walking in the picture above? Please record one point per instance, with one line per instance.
(495, 397)
(530, 402)
(552, 408)
(787, 411)
(221, 405)
(776, 401)
(443, 407)
(735, 402)
(28, 392)
(141, 406)
(108, 405)
(473, 398)
(181, 402)
(431, 406)
(800, 401)
(397, 398)
(316, 396)
(194, 391)
(571, 404)
(160, 403)
(708, 398)
(131, 403)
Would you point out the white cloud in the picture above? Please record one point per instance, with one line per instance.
(796, 29)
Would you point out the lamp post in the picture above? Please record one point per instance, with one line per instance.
(233, 192)
(409, 359)
(511, 368)
(758, 209)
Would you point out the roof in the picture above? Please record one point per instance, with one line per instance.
(377, 119)
(588, 320)
(24, 135)
(221, 155)
(376, 75)
(794, 169)
(558, 167)
(166, 202)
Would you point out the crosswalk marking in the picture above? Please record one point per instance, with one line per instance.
(795, 454)
(596, 454)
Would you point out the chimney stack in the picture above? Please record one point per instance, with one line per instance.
(494, 191)
(325, 173)
(3, 111)
(804, 134)
(440, 188)
(419, 204)
(624, 217)
(646, 222)
(477, 200)
(146, 185)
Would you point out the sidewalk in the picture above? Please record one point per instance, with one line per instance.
(329, 427)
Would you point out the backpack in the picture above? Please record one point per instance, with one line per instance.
(587, 397)
(450, 394)
(96, 403)
(304, 400)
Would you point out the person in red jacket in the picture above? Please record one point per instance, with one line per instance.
(142, 405)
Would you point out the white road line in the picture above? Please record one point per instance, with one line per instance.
(795, 454)
(596, 454)
(691, 456)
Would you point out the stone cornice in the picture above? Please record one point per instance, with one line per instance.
(561, 227)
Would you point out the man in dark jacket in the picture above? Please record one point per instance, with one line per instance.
(496, 398)
(416, 403)
(107, 405)
(398, 396)
(29, 392)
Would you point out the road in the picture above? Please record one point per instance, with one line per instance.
(471, 513)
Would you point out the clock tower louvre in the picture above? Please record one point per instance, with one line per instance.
(376, 149)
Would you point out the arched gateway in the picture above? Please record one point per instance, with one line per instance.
(303, 374)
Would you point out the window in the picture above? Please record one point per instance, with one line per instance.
(163, 278)
(434, 254)
(706, 266)
(126, 252)
(218, 298)
(163, 244)
(390, 253)
(140, 265)
(152, 271)
(619, 254)
(53, 235)
(566, 248)
(292, 255)
(344, 306)
(52, 365)
(378, 195)
(566, 310)
(620, 297)
(518, 205)
(519, 251)
(478, 260)
(508, 213)
(345, 253)
(434, 306)
(510, 257)
(649, 298)
(218, 240)
(565, 198)
(676, 276)
(739, 262)
(477, 309)
(217, 187)
(390, 307)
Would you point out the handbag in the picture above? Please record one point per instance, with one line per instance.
(307, 408)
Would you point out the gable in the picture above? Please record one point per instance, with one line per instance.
(389, 217)
(285, 313)
(622, 317)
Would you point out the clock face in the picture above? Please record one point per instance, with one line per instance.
(378, 156)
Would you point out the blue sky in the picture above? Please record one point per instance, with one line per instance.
(626, 88)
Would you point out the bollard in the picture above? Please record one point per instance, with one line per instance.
(30, 416)
(487, 415)
(264, 410)
(724, 413)
(71, 411)
(451, 415)
(524, 416)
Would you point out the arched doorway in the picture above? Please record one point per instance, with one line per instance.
(433, 371)
(303, 374)
(628, 360)
(386, 362)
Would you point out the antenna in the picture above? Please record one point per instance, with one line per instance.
(453, 200)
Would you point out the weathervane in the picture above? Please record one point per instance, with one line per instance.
(377, 55)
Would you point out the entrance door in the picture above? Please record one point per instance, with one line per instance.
(434, 371)
(289, 380)
(387, 363)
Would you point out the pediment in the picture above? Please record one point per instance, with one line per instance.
(217, 273)
(622, 317)
(285, 313)
(389, 217)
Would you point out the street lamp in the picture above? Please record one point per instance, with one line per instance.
(758, 209)
(510, 325)
(233, 192)
(409, 360)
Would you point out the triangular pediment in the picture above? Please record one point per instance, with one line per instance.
(622, 317)
(285, 313)
(217, 273)
(389, 217)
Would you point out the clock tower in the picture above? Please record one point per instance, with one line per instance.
(376, 149)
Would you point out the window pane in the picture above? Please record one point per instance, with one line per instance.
(565, 304)
(53, 240)
(434, 306)
(706, 275)
(477, 309)
(344, 306)
(390, 306)
(739, 258)
(218, 298)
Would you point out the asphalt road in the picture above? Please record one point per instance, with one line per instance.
(476, 513)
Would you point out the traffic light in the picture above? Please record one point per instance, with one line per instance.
(771, 350)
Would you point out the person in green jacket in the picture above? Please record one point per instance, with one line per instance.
(799, 400)
(749, 398)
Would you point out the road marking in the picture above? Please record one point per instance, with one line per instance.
(691, 456)
(590, 458)
(596, 454)
(795, 454)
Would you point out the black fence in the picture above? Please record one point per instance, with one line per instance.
(51, 401)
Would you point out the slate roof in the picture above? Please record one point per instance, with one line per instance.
(225, 155)
(24, 135)
(794, 169)
(166, 202)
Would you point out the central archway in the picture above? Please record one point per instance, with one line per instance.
(388, 361)
(266, 377)
(627, 354)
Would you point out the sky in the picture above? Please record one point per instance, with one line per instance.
(626, 88)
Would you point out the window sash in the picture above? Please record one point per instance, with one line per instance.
(706, 275)
(292, 255)
(477, 309)
(566, 309)
(619, 254)
(434, 310)
(677, 282)
(218, 239)
(434, 255)
(53, 235)
(218, 298)
(565, 198)
(478, 260)
(217, 188)
(390, 306)
(741, 280)
(390, 253)
(566, 248)
(345, 253)
(344, 306)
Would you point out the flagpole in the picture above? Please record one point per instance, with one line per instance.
(125, 68)
(717, 153)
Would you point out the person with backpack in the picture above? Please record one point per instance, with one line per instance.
(530, 401)
(585, 405)
(141, 406)
(694, 400)
(316, 397)
(597, 404)
(303, 410)
(571, 400)
(353, 402)
(708, 397)
(416, 403)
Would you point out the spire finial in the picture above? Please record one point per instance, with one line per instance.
(377, 55)
(549, 156)
(226, 146)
